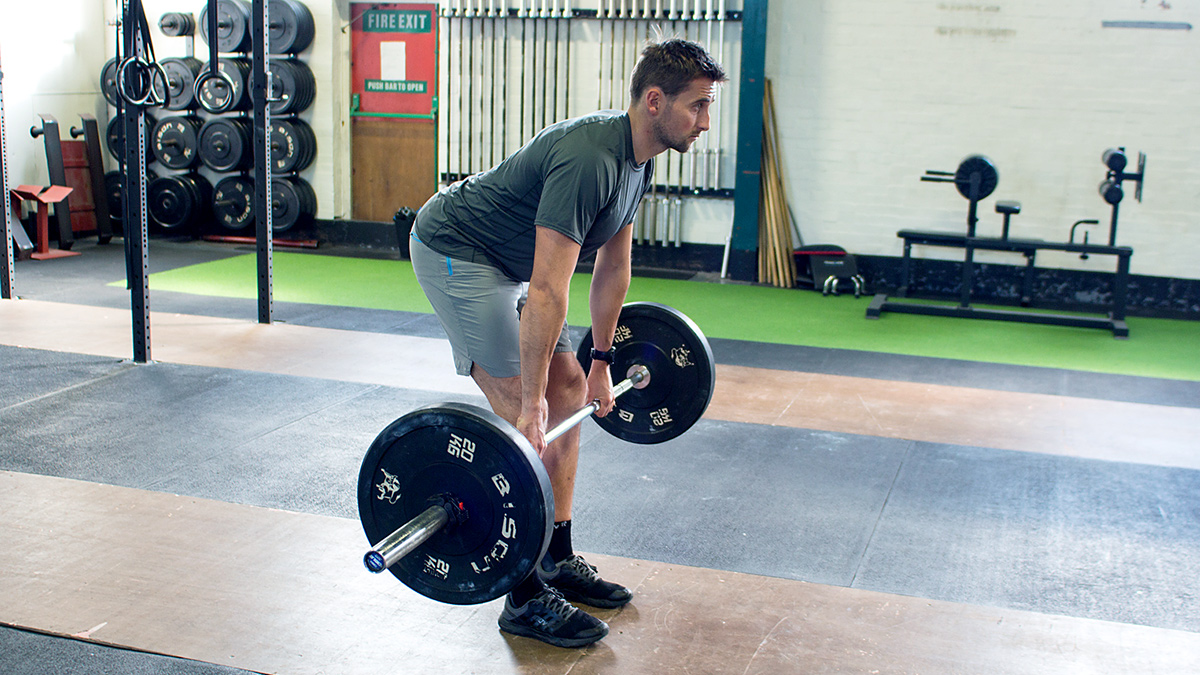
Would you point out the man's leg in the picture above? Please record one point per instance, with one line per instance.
(565, 392)
(532, 609)
(561, 568)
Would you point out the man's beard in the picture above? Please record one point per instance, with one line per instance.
(680, 144)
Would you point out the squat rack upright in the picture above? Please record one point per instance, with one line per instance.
(138, 63)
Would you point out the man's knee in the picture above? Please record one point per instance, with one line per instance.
(567, 386)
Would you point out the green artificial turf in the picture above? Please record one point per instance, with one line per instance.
(1156, 347)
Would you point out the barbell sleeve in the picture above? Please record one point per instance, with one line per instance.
(406, 538)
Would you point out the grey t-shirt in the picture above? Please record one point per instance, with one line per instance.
(577, 177)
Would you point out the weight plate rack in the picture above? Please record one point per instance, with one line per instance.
(184, 137)
(226, 140)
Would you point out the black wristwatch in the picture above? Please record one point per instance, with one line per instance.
(606, 357)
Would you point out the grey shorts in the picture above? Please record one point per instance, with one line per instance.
(479, 308)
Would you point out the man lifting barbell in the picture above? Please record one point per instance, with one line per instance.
(495, 254)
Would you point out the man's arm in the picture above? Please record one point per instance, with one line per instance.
(554, 259)
(610, 283)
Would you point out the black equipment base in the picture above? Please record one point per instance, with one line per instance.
(880, 304)
(1115, 320)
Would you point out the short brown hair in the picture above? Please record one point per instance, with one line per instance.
(671, 65)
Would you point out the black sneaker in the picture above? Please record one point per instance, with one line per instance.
(550, 618)
(578, 582)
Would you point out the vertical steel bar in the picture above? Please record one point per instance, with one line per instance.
(555, 16)
(708, 151)
(504, 83)
(523, 14)
(719, 117)
(7, 276)
(460, 10)
(444, 112)
(544, 13)
(471, 86)
(492, 117)
(136, 230)
(612, 53)
(567, 65)
(601, 14)
(533, 68)
(626, 11)
(262, 157)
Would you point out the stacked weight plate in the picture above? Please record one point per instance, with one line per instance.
(293, 87)
(175, 141)
(233, 26)
(181, 82)
(233, 203)
(214, 91)
(291, 29)
(293, 145)
(179, 202)
(226, 144)
(293, 203)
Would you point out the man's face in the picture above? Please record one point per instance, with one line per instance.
(685, 115)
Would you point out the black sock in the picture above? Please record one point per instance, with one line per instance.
(524, 591)
(560, 542)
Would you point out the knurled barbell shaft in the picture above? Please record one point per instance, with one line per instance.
(578, 416)
(406, 538)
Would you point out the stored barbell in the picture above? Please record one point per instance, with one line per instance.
(456, 503)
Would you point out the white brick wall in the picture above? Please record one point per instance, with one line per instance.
(871, 93)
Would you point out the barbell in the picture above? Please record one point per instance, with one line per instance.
(456, 503)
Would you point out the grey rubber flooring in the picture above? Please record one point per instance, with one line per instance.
(1103, 540)
(26, 653)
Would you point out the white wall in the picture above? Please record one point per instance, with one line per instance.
(47, 52)
(870, 94)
